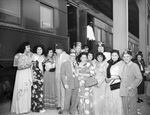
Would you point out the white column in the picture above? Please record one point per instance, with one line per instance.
(142, 5)
(148, 50)
(120, 25)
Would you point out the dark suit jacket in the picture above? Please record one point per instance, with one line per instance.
(143, 65)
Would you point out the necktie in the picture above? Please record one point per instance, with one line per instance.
(141, 66)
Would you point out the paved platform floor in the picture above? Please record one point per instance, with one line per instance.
(143, 108)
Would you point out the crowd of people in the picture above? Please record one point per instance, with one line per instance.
(78, 82)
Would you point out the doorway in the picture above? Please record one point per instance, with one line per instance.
(90, 18)
(72, 23)
(90, 23)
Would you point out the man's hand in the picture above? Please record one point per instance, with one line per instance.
(129, 89)
(66, 86)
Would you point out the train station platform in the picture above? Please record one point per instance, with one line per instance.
(143, 109)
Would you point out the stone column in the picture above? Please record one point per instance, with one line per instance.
(148, 34)
(120, 25)
(143, 16)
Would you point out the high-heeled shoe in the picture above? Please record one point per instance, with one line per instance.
(42, 111)
(139, 100)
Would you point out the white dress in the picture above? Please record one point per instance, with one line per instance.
(113, 101)
(21, 102)
(100, 90)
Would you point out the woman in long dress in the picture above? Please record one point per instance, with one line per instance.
(37, 104)
(100, 88)
(50, 96)
(140, 62)
(21, 102)
(147, 82)
(113, 101)
(85, 93)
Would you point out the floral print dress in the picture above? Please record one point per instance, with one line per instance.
(85, 94)
(99, 90)
(37, 89)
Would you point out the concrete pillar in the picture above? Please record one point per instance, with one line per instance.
(148, 34)
(143, 16)
(120, 25)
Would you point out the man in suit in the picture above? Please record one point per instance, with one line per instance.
(131, 78)
(61, 57)
(70, 83)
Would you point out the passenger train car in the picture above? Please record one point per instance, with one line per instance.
(48, 22)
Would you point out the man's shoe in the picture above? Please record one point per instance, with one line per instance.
(60, 112)
(141, 100)
(138, 101)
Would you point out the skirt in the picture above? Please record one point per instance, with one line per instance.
(50, 90)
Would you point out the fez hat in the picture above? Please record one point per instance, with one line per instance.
(101, 44)
(127, 51)
(78, 44)
(59, 46)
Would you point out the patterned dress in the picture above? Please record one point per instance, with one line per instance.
(100, 89)
(37, 88)
(50, 90)
(21, 102)
(85, 94)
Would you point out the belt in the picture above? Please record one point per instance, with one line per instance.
(22, 68)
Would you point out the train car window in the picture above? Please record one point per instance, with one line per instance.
(46, 18)
(104, 36)
(10, 11)
(111, 40)
(99, 35)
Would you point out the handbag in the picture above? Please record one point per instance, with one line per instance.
(52, 70)
(115, 85)
(91, 81)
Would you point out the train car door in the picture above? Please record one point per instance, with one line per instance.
(90, 23)
(72, 24)
(82, 26)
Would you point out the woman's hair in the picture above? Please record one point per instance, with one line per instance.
(100, 54)
(85, 46)
(111, 62)
(91, 53)
(41, 46)
(81, 54)
(49, 49)
(22, 47)
(114, 51)
(137, 54)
